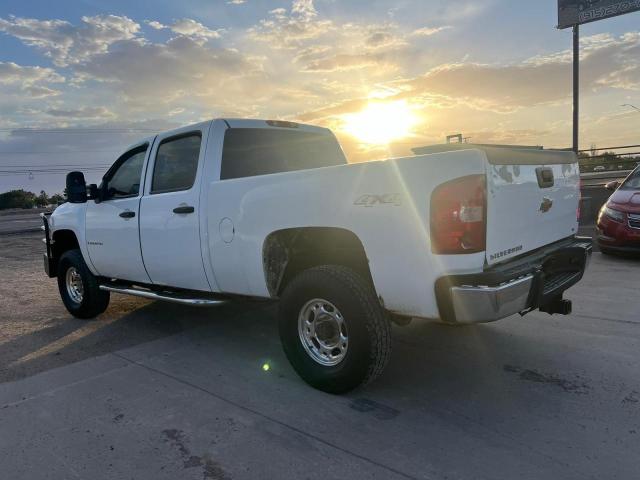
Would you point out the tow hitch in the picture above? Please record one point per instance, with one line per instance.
(559, 306)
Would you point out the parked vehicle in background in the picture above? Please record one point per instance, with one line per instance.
(270, 209)
(599, 168)
(619, 218)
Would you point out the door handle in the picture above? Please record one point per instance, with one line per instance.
(185, 209)
(127, 214)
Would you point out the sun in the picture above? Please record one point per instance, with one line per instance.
(381, 123)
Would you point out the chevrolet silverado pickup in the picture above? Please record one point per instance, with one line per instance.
(229, 209)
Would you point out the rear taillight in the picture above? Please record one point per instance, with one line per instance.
(458, 216)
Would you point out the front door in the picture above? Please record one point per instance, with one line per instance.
(169, 211)
(112, 229)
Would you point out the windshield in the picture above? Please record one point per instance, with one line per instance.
(633, 181)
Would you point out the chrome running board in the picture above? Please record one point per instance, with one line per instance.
(167, 297)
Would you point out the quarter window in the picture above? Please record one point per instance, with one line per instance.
(176, 163)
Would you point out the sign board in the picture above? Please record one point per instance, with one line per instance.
(577, 12)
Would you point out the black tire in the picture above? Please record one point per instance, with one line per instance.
(94, 301)
(369, 331)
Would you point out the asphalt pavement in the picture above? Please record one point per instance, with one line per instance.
(20, 221)
(211, 396)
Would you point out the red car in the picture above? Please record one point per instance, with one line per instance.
(619, 218)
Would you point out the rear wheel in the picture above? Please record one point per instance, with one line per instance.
(79, 288)
(333, 329)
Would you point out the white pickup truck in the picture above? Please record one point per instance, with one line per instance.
(228, 209)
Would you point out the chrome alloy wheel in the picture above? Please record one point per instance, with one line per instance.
(73, 282)
(323, 332)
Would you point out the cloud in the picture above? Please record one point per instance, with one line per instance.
(462, 9)
(287, 29)
(68, 44)
(607, 61)
(478, 94)
(429, 31)
(236, 2)
(298, 64)
(12, 73)
(311, 53)
(344, 61)
(29, 82)
(379, 37)
(152, 77)
(156, 25)
(106, 56)
(39, 92)
(188, 28)
(82, 113)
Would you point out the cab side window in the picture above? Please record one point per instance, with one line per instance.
(176, 163)
(125, 180)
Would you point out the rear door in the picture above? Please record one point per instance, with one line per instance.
(532, 200)
(170, 208)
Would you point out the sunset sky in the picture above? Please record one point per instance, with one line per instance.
(385, 75)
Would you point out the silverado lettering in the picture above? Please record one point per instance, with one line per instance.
(505, 253)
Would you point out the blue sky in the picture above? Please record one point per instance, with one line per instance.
(496, 70)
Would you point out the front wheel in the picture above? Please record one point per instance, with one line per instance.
(333, 329)
(79, 288)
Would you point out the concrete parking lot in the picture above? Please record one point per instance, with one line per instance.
(154, 391)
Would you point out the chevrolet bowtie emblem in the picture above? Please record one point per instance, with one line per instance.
(546, 205)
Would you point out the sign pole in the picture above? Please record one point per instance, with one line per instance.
(576, 86)
(573, 13)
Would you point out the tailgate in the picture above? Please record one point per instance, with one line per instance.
(527, 210)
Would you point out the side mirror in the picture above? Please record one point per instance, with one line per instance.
(612, 185)
(76, 187)
(94, 192)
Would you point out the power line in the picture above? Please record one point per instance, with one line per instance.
(52, 168)
(58, 152)
(58, 172)
(48, 169)
(55, 165)
(78, 130)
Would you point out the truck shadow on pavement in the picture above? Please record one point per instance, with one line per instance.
(126, 323)
(434, 362)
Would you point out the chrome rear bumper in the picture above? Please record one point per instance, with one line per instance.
(536, 280)
(487, 304)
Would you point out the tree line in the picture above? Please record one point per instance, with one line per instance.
(609, 160)
(25, 199)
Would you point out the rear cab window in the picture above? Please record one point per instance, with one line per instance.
(248, 152)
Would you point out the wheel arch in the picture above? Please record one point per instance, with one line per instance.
(63, 241)
(289, 251)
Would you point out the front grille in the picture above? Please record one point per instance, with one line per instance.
(557, 280)
(634, 220)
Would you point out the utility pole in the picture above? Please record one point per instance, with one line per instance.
(576, 87)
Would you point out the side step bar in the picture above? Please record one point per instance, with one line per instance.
(196, 302)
